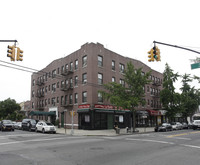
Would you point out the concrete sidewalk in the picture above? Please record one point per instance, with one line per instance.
(108, 132)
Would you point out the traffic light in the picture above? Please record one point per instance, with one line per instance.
(156, 53)
(151, 55)
(19, 54)
(11, 52)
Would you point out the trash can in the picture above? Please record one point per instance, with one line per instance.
(117, 130)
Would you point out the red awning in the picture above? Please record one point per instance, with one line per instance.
(154, 113)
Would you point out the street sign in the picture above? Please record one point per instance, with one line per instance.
(195, 66)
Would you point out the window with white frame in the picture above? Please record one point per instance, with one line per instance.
(100, 78)
(84, 61)
(100, 61)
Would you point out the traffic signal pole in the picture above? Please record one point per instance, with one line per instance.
(155, 42)
(9, 41)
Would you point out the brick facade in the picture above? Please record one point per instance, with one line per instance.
(63, 84)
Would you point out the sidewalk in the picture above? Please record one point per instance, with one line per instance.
(108, 132)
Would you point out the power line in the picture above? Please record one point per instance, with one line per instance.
(28, 69)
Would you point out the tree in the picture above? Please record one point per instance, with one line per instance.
(189, 97)
(169, 98)
(130, 95)
(8, 109)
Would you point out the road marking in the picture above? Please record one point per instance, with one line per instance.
(149, 140)
(34, 140)
(171, 136)
(191, 146)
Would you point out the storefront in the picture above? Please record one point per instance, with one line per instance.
(102, 117)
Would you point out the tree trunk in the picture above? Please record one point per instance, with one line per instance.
(133, 121)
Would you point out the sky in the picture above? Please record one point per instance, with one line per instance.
(50, 29)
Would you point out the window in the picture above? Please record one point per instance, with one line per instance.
(58, 70)
(84, 97)
(62, 100)
(84, 61)
(121, 68)
(84, 78)
(100, 78)
(70, 99)
(76, 64)
(62, 69)
(57, 84)
(33, 82)
(113, 65)
(71, 66)
(53, 87)
(66, 67)
(53, 101)
(121, 81)
(57, 99)
(53, 73)
(76, 98)
(76, 81)
(100, 61)
(33, 93)
(71, 83)
(65, 99)
(100, 97)
(32, 104)
(113, 79)
(62, 84)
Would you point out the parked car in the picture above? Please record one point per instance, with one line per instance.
(163, 127)
(196, 124)
(29, 124)
(18, 125)
(177, 125)
(185, 125)
(6, 125)
(43, 127)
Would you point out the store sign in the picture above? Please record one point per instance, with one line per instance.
(110, 107)
(84, 106)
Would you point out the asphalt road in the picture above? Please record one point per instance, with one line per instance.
(167, 148)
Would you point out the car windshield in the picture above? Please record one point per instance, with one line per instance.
(7, 122)
(33, 122)
(49, 123)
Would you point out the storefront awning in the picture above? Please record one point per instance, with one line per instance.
(154, 113)
(35, 113)
(82, 110)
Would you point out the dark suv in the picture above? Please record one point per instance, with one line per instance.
(6, 125)
(29, 124)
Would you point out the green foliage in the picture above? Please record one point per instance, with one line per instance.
(9, 109)
(189, 97)
(169, 98)
(130, 95)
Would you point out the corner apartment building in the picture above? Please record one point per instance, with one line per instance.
(68, 87)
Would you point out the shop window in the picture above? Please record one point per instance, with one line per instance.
(87, 118)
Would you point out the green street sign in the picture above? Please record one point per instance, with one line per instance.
(195, 66)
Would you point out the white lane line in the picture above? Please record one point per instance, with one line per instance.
(191, 146)
(34, 140)
(148, 140)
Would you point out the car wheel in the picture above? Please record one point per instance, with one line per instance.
(43, 131)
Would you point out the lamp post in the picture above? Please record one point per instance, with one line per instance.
(65, 110)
